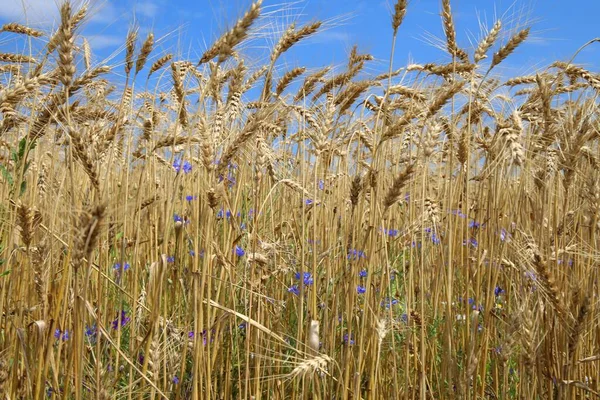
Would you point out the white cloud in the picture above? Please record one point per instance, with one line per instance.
(45, 13)
(147, 9)
(98, 42)
(103, 12)
(332, 36)
(31, 12)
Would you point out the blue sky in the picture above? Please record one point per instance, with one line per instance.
(186, 27)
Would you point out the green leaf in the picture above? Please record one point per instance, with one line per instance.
(23, 188)
(7, 175)
(22, 147)
(5, 273)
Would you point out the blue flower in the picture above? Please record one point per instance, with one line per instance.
(473, 242)
(387, 303)
(349, 339)
(117, 267)
(321, 184)
(91, 331)
(531, 275)
(175, 380)
(308, 278)
(309, 202)
(361, 289)
(170, 259)
(458, 213)
(474, 224)
(354, 254)
(124, 320)
(504, 235)
(58, 334)
(231, 179)
(189, 198)
(294, 289)
(239, 251)
(435, 239)
(498, 291)
(186, 166)
(177, 218)
(363, 273)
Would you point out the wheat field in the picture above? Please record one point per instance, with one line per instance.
(215, 229)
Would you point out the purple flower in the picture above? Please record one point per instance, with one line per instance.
(354, 254)
(231, 179)
(363, 273)
(186, 166)
(498, 291)
(189, 198)
(474, 224)
(361, 289)
(308, 278)
(458, 213)
(177, 218)
(349, 339)
(387, 303)
(117, 267)
(170, 259)
(175, 380)
(531, 275)
(504, 235)
(90, 331)
(473, 242)
(239, 251)
(123, 318)
(309, 202)
(58, 334)
(294, 289)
